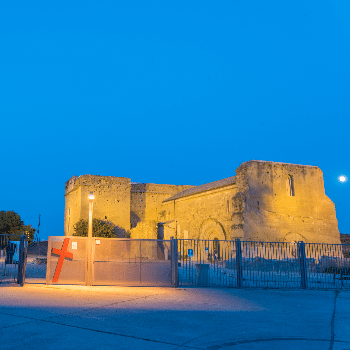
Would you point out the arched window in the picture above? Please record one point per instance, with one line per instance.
(290, 186)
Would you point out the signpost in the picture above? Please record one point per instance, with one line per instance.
(190, 253)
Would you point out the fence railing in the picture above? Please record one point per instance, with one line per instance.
(13, 257)
(263, 264)
(188, 262)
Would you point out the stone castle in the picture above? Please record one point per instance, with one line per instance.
(265, 201)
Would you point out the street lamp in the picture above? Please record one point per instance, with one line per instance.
(89, 241)
(91, 207)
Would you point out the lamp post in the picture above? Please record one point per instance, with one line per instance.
(91, 207)
(89, 241)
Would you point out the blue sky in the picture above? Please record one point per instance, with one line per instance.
(168, 92)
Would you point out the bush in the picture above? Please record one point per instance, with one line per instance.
(100, 228)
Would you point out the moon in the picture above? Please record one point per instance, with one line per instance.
(342, 178)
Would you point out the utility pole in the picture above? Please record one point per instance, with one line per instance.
(38, 237)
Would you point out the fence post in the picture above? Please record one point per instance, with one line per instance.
(174, 264)
(302, 259)
(239, 263)
(22, 260)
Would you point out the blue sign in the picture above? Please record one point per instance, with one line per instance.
(190, 253)
(207, 249)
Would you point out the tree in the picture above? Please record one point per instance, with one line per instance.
(100, 228)
(11, 224)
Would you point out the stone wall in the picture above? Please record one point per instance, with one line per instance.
(147, 206)
(72, 210)
(205, 215)
(283, 202)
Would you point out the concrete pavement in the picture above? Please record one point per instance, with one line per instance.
(37, 316)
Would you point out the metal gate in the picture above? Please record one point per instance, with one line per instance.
(13, 257)
(115, 261)
(207, 263)
(132, 262)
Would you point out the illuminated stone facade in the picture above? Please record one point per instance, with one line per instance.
(265, 201)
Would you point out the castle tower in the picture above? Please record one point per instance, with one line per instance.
(281, 202)
(111, 203)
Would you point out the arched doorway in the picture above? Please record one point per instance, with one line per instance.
(211, 229)
(212, 232)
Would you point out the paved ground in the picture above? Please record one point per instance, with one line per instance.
(37, 316)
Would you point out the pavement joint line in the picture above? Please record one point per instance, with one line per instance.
(17, 324)
(337, 292)
(96, 330)
(240, 342)
(202, 335)
(105, 305)
(74, 312)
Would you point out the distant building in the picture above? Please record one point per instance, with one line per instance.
(265, 201)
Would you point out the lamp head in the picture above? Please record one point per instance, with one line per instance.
(91, 195)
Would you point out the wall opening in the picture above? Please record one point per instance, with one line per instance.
(290, 186)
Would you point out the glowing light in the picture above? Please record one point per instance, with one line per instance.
(342, 178)
(91, 195)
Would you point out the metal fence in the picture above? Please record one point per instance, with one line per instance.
(206, 263)
(13, 256)
(263, 264)
(180, 262)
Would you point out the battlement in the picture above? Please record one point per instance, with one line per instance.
(276, 163)
(94, 180)
(158, 188)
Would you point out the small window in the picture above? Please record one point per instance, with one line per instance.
(228, 206)
(290, 186)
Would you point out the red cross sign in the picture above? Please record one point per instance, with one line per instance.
(63, 254)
